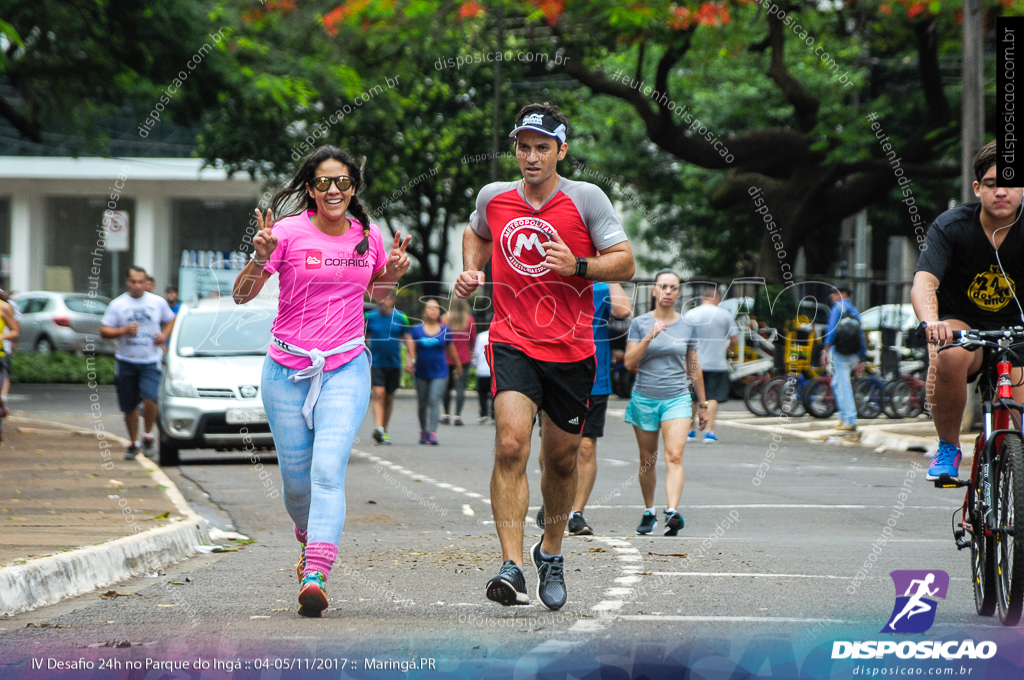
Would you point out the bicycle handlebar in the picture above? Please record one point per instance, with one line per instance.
(961, 336)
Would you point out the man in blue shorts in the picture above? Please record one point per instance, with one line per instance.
(385, 327)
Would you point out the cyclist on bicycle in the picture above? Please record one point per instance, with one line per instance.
(970, 264)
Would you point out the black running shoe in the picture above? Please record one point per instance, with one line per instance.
(578, 526)
(550, 578)
(647, 523)
(509, 586)
(131, 452)
(147, 444)
(540, 517)
(673, 523)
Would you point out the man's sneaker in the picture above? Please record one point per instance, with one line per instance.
(385, 439)
(457, 421)
(540, 517)
(432, 440)
(378, 435)
(673, 523)
(550, 578)
(424, 437)
(647, 523)
(692, 436)
(312, 594)
(147, 443)
(946, 461)
(578, 526)
(131, 452)
(509, 586)
(445, 419)
(483, 420)
(710, 438)
(300, 566)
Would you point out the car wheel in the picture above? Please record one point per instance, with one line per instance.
(168, 451)
(44, 345)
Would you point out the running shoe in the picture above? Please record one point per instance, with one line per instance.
(692, 436)
(445, 419)
(131, 452)
(578, 526)
(482, 420)
(378, 435)
(540, 517)
(647, 523)
(945, 462)
(673, 523)
(312, 594)
(147, 443)
(433, 439)
(385, 439)
(509, 586)
(424, 437)
(550, 578)
(457, 421)
(710, 438)
(300, 566)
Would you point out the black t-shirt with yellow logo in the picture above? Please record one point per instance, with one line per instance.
(972, 286)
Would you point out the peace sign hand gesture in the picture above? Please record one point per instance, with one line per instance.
(398, 261)
(264, 242)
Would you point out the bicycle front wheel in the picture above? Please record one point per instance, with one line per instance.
(867, 395)
(1009, 544)
(753, 397)
(819, 400)
(771, 396)
(983, 560)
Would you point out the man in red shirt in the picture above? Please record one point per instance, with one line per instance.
(547, 238)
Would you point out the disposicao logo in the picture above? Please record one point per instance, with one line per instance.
(913, 611)
(313, 259)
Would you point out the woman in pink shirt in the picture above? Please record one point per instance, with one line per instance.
(316, 379)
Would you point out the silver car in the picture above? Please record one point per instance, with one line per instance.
(210, 390)
(68, 322)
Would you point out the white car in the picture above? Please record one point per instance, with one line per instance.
(210, 390)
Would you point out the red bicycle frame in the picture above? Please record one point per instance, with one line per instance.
(998, 419)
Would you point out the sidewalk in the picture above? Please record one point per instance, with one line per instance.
(74, 519)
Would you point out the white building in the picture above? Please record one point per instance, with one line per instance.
(51, 217)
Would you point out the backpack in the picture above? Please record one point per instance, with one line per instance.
(847, 336)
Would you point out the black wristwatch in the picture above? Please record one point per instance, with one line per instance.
(581, 267)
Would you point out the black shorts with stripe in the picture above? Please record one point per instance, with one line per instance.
(560, 389)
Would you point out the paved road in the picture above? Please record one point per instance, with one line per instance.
(419, 545)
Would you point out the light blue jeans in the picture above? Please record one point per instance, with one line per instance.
(842, 368)
(313, 462)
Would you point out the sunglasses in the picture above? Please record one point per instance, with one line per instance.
(343, 182)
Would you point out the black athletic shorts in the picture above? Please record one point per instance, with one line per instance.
(716, 385)
(593, 426)
(388, 378)
(562, 390)
(989, 326)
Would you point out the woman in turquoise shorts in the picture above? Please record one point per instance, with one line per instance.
(662, 349)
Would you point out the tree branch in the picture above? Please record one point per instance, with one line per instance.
(931, 78)
(805, 106)
(28, 128)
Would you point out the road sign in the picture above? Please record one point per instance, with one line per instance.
(115, 224)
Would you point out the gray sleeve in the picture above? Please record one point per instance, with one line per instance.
(636, 332)
(478, 219)
(597, 213)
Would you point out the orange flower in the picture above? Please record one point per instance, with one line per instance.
(283, 5)
(916, 8)
(470, 10)
(885, 9)
(552, 9)
(333, 19)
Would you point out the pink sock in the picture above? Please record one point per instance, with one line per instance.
(320, 557)
(301, 535)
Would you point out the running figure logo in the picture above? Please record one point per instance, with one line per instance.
(913, 612)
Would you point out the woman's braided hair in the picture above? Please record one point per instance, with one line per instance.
(289, 200)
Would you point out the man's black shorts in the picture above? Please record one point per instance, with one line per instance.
(388, 378)
(1016, 359)
(716, 385)
(593, 427)
(562, 390)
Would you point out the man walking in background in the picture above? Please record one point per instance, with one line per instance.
(716, 332)
(609, 300)
(845, 339)
(171, 295)
(385, 327)
(140, 322)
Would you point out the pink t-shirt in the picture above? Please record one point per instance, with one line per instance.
(323, 281)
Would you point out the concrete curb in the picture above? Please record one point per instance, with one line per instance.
(48, 580)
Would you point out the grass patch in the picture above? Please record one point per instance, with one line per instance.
(61, 367)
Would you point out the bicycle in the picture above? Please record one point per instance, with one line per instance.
(868, 395)
(904, 397)
(820, 398)
(753, 395)
(995, 490)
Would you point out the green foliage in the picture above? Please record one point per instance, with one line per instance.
(61, 367)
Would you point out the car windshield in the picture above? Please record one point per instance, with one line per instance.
(229, 332)
(87, 305)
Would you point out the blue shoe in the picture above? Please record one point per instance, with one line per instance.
(312, 594)
(509, 586)
(945, 462)
(710, 438)
(692, 436)
(550, 578)
(673, 523)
